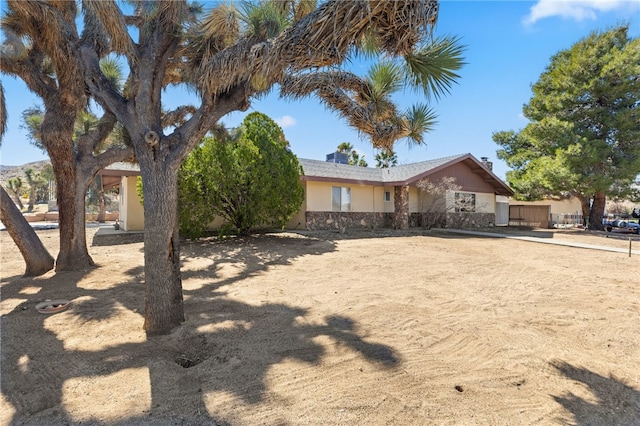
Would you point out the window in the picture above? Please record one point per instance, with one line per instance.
(340, 199)
(387, 196)
(465, 202)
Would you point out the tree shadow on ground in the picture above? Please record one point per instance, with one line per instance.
(253, 255)
(225, 347)
(614, 403)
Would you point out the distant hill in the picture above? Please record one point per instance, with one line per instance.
(8, 172)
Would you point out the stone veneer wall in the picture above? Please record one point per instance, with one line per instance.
(452, 220)
(348, 220)
(470, 220)
(401, 207)
(351, 220)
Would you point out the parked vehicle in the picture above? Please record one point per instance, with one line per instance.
(622, 225)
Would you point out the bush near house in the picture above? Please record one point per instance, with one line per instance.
(249, 179)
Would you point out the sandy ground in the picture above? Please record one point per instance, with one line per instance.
(419, 328)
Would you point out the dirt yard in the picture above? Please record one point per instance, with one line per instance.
(418, 328)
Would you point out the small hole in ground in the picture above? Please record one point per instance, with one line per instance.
(186, 361)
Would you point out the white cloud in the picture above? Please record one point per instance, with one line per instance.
(578, 10)
(286, 121)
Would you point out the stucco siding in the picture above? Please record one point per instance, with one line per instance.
(414, 199)
(362, 198)
(318, 196)
(131, 210)
(382, 205)
(298, 220)
(485, 203)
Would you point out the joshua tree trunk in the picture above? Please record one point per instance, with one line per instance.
(71, 188)
(163, 281)
(18, 199)
(36, 256)
(32, 198)
(597, 211)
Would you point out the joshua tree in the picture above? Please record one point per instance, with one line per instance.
(86, 123)
(41, 42)
(35, 255)
(226, 62)
(366, 102)
(16, 188)
(35, 182)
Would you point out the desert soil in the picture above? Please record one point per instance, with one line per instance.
(385, 328)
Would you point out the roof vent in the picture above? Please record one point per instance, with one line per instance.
(337, 157)
(485, 162)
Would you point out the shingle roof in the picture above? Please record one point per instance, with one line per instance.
(403, 173)
(393, 176)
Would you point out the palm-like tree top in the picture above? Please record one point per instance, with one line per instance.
(367, 102)
(254, 45)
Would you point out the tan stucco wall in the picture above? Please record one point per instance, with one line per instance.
(364, 198)
(361, 198)
(367, 198)
(131, 211)
(414, 199)
(387, 206)
(298, 220)
(485, 203)
(318, 196)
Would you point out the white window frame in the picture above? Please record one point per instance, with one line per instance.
(387, 196)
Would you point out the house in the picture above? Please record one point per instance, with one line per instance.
(343, 196)
(339, 196)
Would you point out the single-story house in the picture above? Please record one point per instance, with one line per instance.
(339, 196)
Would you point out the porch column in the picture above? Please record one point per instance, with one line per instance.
(401, 207)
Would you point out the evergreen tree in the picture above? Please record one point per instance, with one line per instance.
(250, 179)
(583, 137)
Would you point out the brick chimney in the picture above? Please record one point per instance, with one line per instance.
(485, 162)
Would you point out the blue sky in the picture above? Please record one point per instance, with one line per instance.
(509, 44)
